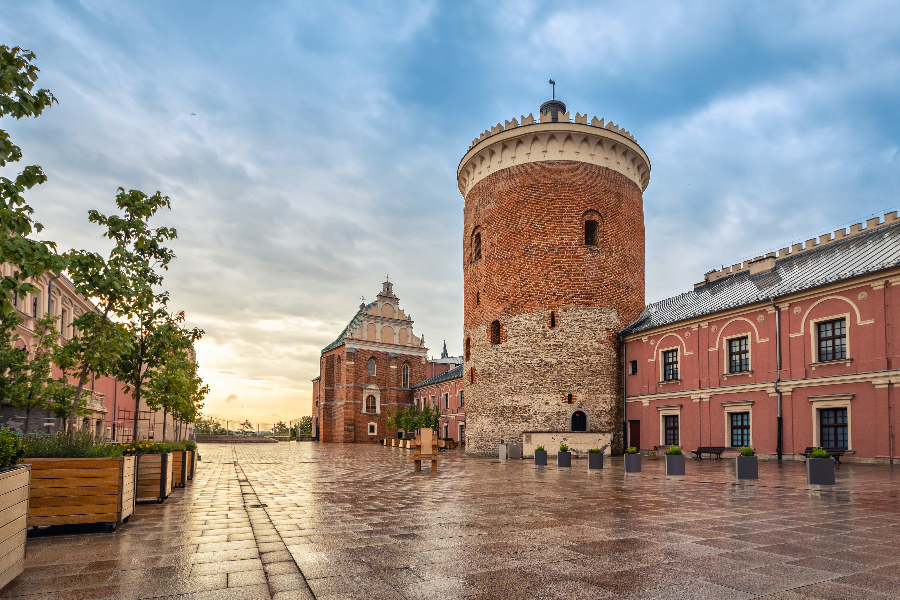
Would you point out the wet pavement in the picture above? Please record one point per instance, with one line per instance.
(303, 520)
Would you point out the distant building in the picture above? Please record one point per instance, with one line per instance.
(445, 392)
(702, 367)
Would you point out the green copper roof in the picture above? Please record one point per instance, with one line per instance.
(355, 322)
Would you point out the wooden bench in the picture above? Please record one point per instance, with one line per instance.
(835, 453)
(717, 450)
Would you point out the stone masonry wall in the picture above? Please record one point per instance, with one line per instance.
(534, 262)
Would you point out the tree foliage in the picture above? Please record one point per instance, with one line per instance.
(413, 418)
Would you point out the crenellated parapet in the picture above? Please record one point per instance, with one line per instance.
(517, 142)
(766, 262)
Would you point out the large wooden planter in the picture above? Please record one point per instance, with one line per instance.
(181, 462)
(192, 464)
(14, 485)
(67, 491)
(154, 477)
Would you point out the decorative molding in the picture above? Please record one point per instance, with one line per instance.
(598, 144)
(832, 398)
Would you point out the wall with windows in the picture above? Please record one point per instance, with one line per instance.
(449, 398)
(715, 374)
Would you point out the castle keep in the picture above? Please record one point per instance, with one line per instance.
(553, 270)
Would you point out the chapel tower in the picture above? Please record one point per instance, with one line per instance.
(553, 248)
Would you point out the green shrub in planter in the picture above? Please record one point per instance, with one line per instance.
(540, 456)
(563, 447)
(818, 453)
(746, 466)
(76, 444)
(674, 451)
(190, 446)
(564, 458)
(595, 458)
(631, 450)
(674, 461)
(748, 451)
(11, 448)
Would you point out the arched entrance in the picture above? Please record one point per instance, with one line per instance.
(579, 421)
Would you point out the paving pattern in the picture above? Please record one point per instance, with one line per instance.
(304, 520)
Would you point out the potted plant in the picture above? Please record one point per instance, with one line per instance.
(155, 476)
(77, 477)
(746, 464)
(14, 490)
(540, 456)
(564, 458)
(819, 468)
(595, 458)
(674, 461)
(632, 460)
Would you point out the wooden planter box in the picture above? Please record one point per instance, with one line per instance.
(180, 461)
(154, 477)
(67, 491)
(192, 463)
(14, 485)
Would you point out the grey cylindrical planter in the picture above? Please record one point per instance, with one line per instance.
(674, 464)
(746, 467)
(564, 459)
(820, 471)
(595, 460)
(540, 457)
(514, 451)
(632, 463)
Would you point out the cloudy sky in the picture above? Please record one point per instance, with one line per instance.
(310, 148)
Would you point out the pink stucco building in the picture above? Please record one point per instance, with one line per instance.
(445, 392)
(794, 349)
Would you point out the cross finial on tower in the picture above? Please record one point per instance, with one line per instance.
(387, 278)
(553, 83)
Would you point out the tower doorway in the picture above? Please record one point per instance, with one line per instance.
(579, 421)
(634, 434)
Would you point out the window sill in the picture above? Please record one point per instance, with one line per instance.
(670, 381)
(739, 373)
(844, 361)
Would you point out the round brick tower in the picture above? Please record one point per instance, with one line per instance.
(553, 267)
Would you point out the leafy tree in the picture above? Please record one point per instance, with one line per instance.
(37, 386)
(13, 359)
(305, 426)
(246, 428)
(208, 425)
(62, 395)
(280, 428)
(122, 284)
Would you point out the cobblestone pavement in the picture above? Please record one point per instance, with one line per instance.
(360, 524)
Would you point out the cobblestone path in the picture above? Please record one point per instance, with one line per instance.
(303, 520)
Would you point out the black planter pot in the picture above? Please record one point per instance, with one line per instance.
(540, 457)
(595, 460)
(632, 463)
(564, 459)
(820, 471)
(746, 467)
(674, 464)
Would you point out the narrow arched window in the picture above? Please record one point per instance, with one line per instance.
(370, 403)
(472, 375)
(405, 375)
(552, 319)
(590, 232)
(468, 348)
(478, 298)
(476, 246)
(371, 367)
(495, 332)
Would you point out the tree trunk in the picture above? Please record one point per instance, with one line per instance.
(27, 416)
(164, 422)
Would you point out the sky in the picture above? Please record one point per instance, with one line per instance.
(310, 148)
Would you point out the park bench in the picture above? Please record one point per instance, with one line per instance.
(717, 450)
(835, 453)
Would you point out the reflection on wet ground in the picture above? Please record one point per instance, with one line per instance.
(360, 524)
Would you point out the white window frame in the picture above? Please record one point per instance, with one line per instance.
(830, 401)
(662, 366)
(372, 390)
(739, 406)
(726, 372)
(374, 369)
(665, 411)
(373, 428)
(814, 342)
(446, 400)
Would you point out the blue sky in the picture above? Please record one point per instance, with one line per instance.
(324, 147)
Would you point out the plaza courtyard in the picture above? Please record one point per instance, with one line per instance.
(304, 520)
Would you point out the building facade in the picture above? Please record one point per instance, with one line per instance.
(794, 349)
(445, 393)
(553, 269)
(368, 372)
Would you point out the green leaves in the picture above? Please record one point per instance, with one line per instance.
(17, 77)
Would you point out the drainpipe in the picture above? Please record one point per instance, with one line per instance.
(778, 444)
(890, 423)
(624, 403)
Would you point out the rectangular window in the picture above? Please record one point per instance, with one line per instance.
(670, 365)
(462, 401)
(632, 367)
(740, 429)
(671, 423)
(446, 401)
(739, 355)
(433, 405)
(832, 340)
(833, 427)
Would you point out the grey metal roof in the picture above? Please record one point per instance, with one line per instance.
(456, 373)
(858, 254)
(355, 322)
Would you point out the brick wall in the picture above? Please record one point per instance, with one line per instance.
(534, 262)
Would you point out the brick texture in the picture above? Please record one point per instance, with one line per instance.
(534, 262)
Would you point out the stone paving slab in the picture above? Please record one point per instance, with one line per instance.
(328, 521)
